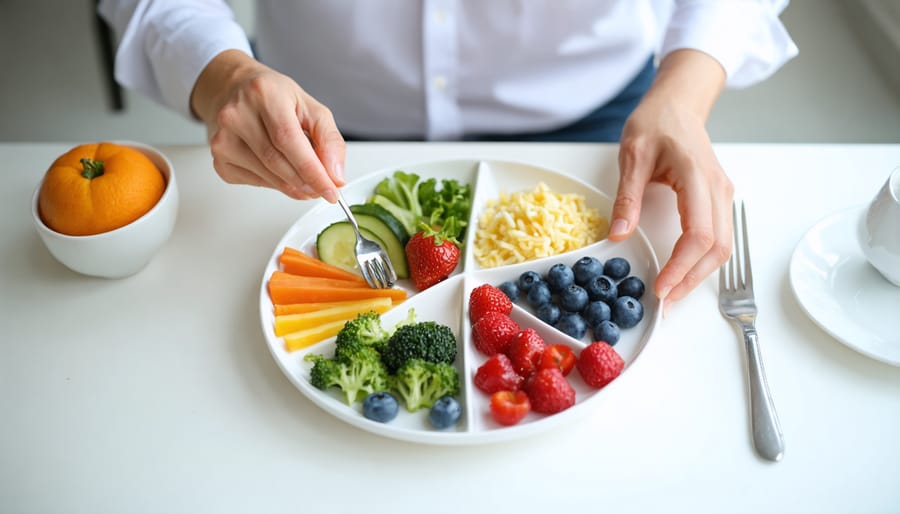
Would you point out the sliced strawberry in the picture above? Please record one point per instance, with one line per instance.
(493, 332)
(497, 374)
(487, 298)
(509, 407)
(558, 356)
(525, 350)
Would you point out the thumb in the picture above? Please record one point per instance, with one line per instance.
(633, 178)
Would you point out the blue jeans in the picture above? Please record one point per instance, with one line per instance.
(604, 124)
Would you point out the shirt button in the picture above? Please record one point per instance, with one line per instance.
(439, 82)
(440, 16)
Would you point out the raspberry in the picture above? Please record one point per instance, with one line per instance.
(487, 298)
(549, 391)
(599, 364)
(493, 332)
(525, 351)
(497, 374)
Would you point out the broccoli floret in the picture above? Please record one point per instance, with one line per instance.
(420, 383)
(357, 370)
(366, 329)
(424, 340)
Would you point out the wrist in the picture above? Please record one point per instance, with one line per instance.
(690, 79)
(218, 79)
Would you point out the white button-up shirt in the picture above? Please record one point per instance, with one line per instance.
(439, 69)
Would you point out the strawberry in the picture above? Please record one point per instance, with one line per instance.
(599, 364)
(525, 351)
(558, 356)
(432, 255)
(487, 298)
(549, 391)
(493, 332)
(509, 407)
(497, 374)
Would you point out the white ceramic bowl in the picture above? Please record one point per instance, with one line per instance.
(126, 250)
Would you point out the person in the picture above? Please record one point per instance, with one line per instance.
(645, 73)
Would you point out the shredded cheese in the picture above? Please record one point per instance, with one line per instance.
(527, 225)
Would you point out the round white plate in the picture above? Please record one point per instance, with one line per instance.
(842, 292)
(446, 303)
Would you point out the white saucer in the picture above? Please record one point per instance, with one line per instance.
(842, 292)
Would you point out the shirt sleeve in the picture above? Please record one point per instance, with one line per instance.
(163, 45)
(744, 36)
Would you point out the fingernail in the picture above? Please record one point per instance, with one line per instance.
(664, 292)
(330, 195)
(339, 171)
(619, 227)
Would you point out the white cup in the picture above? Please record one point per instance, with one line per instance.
(879, 229)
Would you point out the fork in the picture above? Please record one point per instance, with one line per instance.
(373, 261)
(737, 303)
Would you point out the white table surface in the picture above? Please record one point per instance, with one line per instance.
(157, 393)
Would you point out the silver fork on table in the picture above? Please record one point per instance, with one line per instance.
(737, 303)
(373, 261)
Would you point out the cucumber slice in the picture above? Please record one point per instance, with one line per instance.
(385, 217)
(388, 230)
(335, 245)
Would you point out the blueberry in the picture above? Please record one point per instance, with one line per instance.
(548, 313)
(627, 312)
(539, 294)
(510, 289)
(595, 312)
(616, 268)
(607, 331)
(631, 286)
(444, 413)
(528, 279)
(573, 299)
(380, 406)
(602, 289)
(586, 268)
(572, 324)
(559, 277)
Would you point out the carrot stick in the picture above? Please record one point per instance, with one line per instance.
(300, 308)
(303, 338)
(288, 291)
(288, 323)
(281, 276)
(296, 262)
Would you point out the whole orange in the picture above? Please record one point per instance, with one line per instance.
(98, 187)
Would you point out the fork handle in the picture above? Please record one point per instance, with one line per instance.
(767, 436)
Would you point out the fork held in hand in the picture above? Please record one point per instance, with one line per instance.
(373, 261)
(737, 303)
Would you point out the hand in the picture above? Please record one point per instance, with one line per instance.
(665, 141)
(265, 130)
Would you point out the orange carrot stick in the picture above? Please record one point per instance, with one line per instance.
(281, 276)
(284, 292)
(296, 262)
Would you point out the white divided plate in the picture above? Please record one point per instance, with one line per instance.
(445, 303)
(842, 292)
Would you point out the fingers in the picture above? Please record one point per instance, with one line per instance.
(327, 142)
(293, 150)
(704, 204)
(635, 170)
(271, 133)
